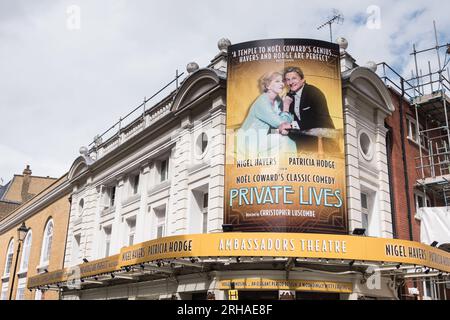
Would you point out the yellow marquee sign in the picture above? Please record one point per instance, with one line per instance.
(295, 245)
(303, 245)
(83, 270)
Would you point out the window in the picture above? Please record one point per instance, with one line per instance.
(131, 231)
(39, 295)
(204, 142)
(205, 213)
(429, 290)
(364, 203)
(26, 252)
(47, 244)
(111, 193)
(9, 258)
(198, 213)
(76, 249)
(81, 207)
(420, 202)
(364, 212)
(107, 237)
(160, 222)
(412, 130)
(108, 197)
(365, 145)
(21, 287)
(201, 144)
(135, 184)
(4, 295)
(164, 170)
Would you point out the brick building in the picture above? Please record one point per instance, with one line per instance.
(418, 156)
(20, 189)
(45, 217)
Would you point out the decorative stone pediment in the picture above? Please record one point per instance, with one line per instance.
(195, 86)
(79, 166)
(368, 82)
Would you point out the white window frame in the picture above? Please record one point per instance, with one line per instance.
(205, 212)
(76, 246)
(38, 295)
(46, 244)
(412, 123)
(111, 193)
(365, 212)
(135, 190)
(201, 145)
(21, 289)
(198, 208)
(106, 238)
(417, 195)
(131, 231)
(8, 261)
(370, 147)
(160, 214)
(25, 259)
(374, 226)
(164, 176)
(429, 289)
(4, 292)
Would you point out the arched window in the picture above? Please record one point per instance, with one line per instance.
(9, 258)
(47, 244)
(26, 251)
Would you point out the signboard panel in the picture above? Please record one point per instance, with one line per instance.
(287, 285)
(285, 163)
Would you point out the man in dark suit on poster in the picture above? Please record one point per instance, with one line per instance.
(312, 119)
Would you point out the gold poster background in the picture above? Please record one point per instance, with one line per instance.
(243, 88)
(242, 91)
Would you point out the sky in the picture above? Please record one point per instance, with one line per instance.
(70, 69)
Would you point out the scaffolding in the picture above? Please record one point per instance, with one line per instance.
(426, 92)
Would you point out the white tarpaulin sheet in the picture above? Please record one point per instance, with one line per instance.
(435, 224)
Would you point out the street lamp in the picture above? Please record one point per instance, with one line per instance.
(21, 234)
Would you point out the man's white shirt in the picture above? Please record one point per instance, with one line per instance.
(297, 98)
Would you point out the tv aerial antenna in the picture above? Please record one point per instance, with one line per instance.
(336, 17)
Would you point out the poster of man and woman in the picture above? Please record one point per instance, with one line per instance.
(285, 161)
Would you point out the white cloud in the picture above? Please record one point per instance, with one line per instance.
(61, 87)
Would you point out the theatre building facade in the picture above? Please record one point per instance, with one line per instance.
(148, 208)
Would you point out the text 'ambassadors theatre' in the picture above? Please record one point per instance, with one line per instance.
(264, 175)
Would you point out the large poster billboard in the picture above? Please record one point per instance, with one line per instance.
(285, 163)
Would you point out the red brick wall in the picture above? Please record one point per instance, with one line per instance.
(397, 171)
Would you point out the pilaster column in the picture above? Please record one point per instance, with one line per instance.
(141, 231)
(352, 166)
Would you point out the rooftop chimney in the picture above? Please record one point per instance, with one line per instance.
(27, 171)
(26, 184)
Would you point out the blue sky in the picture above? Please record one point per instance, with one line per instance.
(60, 86)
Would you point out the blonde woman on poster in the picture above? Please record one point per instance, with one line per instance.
(264, 132)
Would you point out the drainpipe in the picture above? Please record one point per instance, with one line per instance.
(391, 182)
(405, 167)
(67, 237)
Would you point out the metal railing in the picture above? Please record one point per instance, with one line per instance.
(393, 79)
(130, 120)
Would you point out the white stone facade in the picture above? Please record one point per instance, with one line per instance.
(171, 133)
